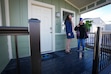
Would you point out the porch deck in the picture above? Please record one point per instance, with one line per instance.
(59, 63)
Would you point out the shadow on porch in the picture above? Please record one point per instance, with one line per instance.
(57, 63)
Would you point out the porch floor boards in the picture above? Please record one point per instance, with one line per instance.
(60, 63)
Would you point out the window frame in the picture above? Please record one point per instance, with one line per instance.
(69, 11)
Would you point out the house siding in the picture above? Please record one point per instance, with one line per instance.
(58, 5)
(4, 56)
(60, 40)
(3, 12)
(19, 17)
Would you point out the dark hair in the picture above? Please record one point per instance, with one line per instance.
(67, 18)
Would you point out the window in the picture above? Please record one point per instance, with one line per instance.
(0, 15)
(64, 13)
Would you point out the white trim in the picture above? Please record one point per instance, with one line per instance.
(0, 15)
(88, 4)
(67, 10)
(72, 4)
(29, 8)
(96, 6)
(53, 16)
(60, 33)
(29, 15)
(10, 47)
(8, 24)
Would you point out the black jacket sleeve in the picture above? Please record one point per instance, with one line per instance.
(76, 28)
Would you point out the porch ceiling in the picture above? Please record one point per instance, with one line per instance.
(87, 5)
(80, 3)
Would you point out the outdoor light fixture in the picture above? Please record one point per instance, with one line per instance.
(58, 14)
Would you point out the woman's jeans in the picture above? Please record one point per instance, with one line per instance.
(81, 42)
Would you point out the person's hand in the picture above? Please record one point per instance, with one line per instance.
(69, 34)
(78, 25)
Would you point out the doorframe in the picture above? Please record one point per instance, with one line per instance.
(7, 16)
(32, 2)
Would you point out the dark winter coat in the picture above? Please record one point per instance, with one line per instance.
(81, 32)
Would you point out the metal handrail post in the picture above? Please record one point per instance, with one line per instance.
(96, 52)
(34, 32)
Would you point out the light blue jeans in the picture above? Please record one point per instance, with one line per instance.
(81, 42)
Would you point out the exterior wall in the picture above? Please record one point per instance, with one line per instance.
(3, 12)
(4, 56)
(19, 17)
(18, 10)
(60, 39)
(108, 27)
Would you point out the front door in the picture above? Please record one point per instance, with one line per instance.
(44, 15)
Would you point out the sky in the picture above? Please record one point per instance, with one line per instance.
(104, 13)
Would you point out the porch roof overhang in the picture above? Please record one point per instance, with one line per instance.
(87, 5)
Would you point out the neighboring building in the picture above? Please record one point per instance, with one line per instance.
(97, 22)
(108, 27)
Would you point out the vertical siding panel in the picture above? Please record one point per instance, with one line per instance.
(23, 13)
(67, 6)
(60, 42)
(62, 3)
(14, 18)
(47, 1)
(3, 13)
(56, 3)
(58, 20)
(4, 57)
(14, 12)
(23, 42)
(23, 45)
(19, 17)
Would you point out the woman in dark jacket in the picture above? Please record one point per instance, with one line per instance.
(69, 32)
(81, 34)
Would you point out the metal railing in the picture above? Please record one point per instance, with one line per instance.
(102, 51)
(34, 33)
(100, 42)
(89, 43)
(105, 51)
